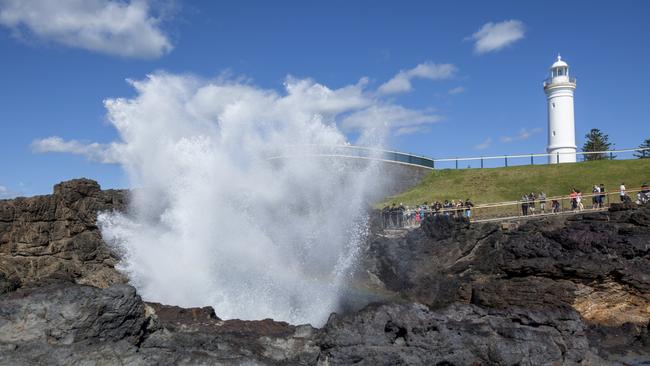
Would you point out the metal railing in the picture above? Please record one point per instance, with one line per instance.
(534, 158)
(549, 81)
(556, 205)
(359, 152)
(514, 210)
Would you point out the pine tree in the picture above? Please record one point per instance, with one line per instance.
(643, 154)
(595, 140)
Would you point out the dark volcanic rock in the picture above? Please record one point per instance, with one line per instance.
(65, 323)
(552, 291)
(596, 263)
(56, 236)
(412, 334)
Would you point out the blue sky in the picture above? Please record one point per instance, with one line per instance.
(54, 76)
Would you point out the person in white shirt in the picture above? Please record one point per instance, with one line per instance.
(622, 191)
(595, 198)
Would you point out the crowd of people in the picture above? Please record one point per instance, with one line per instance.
(576, 200)
(399, 216)
(395, 216)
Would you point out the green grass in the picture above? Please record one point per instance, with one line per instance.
(508, 184)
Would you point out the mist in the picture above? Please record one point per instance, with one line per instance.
(213, 220)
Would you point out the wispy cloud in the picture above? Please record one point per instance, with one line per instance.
(401, 83)
(484, 145)
(403, 120)
(456, 90)
(523, 134)
(199, 103)
(124, 28)
(102, 153)
(495, 36)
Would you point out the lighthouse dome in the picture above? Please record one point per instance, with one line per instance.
(559, 63)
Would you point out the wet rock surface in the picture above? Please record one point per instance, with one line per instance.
(552, 291)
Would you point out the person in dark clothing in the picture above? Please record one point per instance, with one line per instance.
(468, 208)
(601, 201)
(555, 206)
(524, 205)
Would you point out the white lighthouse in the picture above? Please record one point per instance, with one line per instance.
(559, 89)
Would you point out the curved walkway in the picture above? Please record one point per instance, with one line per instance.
(366, 153)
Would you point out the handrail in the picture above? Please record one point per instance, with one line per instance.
(551, 198)
(549, 81)
(536, 155)
(430, 163)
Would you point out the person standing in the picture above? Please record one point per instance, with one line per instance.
(601, 201)
(622, 191)
(579, 201)
(595, 197)
(468, 208)
(524, 204)
(531, 203)
(574, 200)
(542, 202)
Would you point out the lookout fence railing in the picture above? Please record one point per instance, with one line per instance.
(514, 210)
(497, 161)
(494, 161)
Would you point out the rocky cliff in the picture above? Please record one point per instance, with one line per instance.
(56, 236)
(553, 291)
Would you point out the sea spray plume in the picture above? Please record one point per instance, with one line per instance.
(214, 221)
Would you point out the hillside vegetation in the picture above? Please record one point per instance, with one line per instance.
(508, 184)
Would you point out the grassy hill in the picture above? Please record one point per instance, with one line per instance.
(508, 184)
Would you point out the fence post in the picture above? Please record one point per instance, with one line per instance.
(531, 160)
(611, 156)
(558, 158)
(506, 157)
(482, 159)
(433, 164)
(456, 163)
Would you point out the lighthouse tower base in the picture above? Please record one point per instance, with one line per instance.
(562, 155)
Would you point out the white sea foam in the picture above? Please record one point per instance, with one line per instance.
(213, 221)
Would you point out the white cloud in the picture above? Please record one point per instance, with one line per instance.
(523, 134)
(392, 116)
(124, 28)
(102, 153)
(166, 98)
(3, 191)
(456, 90)
(401, 83)
(484, 145)
(495, 36)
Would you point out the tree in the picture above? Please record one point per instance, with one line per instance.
(595, 140)
(643, 154)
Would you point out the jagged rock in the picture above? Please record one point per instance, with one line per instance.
(411, 334)
(557, 290)
(596, 263)
(65, 323)
(56, 236)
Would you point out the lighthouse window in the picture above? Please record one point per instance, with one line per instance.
(553, 133)
(553, 107)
